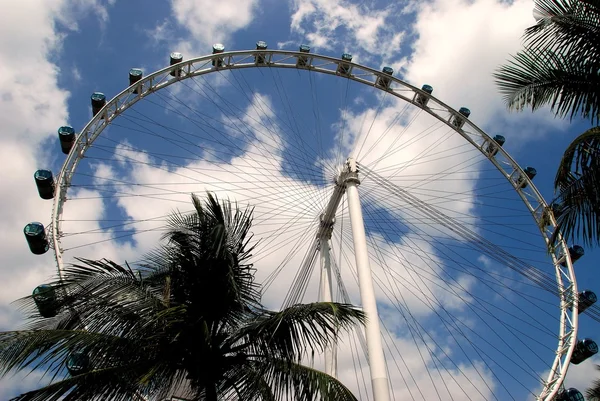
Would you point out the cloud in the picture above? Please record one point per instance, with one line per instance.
(32, 106)
(11, 386)
(583, 375)
(458, 45)
(362, 29)
(206, 22)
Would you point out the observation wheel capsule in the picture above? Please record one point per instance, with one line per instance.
(260, 57)
(344, 68)
(98, 102)
(78, 363)
(218, 48)
(530, 172)
(583, 350)
(576, 252)
(586, 299)
(66, 136)
(35, 235)
(44, 181)
(571, 394)
(383, 81)
(135, 75)
(303, 60)
(423, 98)
(458, 120)
(497, 142)
(45, 300)
(174, 59)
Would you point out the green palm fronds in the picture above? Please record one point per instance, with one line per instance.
(187, 321)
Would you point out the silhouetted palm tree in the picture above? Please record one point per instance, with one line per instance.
(188, 321)
(593, 393)
(560, 66)
(578, 185)
(560, 61)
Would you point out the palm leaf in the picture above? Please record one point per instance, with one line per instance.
(593, 393)
(582, 156)
(207, 253)
(569, 27)
(123, 383)
(104, 297)
(290, 333)
(189, 321)
(578, 185)
(543, 77)
(290, 380)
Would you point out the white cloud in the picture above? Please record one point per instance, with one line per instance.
(208, 22)
(33, 106)
(11, 386)
(361, 29)
(459, 44)
(583, 375)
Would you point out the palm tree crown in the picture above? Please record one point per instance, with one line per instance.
(188, 321)
(560, 66)
(560, 63)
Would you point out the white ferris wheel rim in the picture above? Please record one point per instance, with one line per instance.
(510, 169)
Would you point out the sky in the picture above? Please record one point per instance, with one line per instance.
(459, 321)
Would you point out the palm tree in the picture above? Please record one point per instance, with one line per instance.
(559, 63)
(188, 321)
(578, 185)
(593, 393)
(560, 66)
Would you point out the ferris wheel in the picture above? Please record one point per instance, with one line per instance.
(365, 190)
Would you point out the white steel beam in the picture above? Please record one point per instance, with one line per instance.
(379, 379)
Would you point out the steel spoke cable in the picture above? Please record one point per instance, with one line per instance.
(380, 282)
(344, 115)
(231, 107)
(413, 336)
(435, 300)
(383, 98)
(419, 253)
(440, 251)
(274, 197)
(228, 116)
(163, 168)
(468, 272)
(427, 219)
(379, 260)
(303, 144)
(534, 247)
(397, 136)
(438, 142)
(466, 233)
(316, 133)
(295, 133)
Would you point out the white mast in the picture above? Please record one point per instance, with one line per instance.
(348, 182)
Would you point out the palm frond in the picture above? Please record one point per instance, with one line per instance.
(577, 183)
(291, 332)
(246, 382)
(593, 393)
(568, 27)
(537, 78)
(104, 297)
(50, 349)
(123, 383)
(207, 253)
(582, 156)
(290, 380)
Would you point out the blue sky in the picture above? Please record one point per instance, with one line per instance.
(215, 131)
